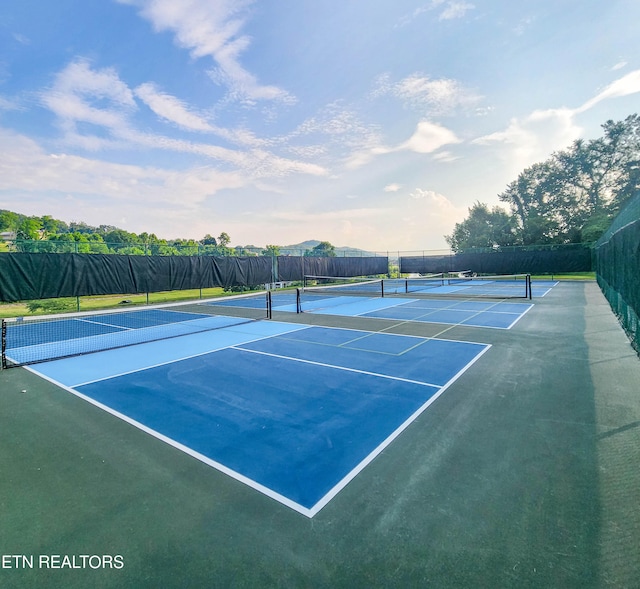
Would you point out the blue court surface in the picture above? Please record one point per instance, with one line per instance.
(472, 287)
(293, 411)
(491, 314)
(496, 315)
(474, 312)
(282, 301)
(38, 340)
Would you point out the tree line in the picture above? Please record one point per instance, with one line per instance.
(571, 197)
(48, 235)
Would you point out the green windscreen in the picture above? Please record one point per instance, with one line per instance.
(617, 265)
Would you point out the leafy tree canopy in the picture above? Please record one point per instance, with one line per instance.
(46, 234)
(323, 250)
(569, 198)
(271, 250)
(483, 228)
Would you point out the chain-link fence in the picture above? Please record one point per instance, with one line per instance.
(617, 264)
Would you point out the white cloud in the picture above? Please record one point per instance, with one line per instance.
(446, 9)
(439, 205)
(173, 110)
(78, 79)
(618, 66)
(21, 39)
(82, 95)
(429, 137)
(170, 108)
(25, 166)
(455, 10)
(535, 137)
(445, 156)
(524, 25)
(6, 104)
(341, 125)
(212, 29)
(392, 187)
(337, 132)
(435, 97)
(98, 97)
(427, 216)
(625, 86)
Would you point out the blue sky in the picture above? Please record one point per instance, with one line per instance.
(370, 124)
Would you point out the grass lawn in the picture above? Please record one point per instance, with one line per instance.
(565, 276)
(94, 303)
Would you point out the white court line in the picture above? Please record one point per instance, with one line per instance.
(373, 454)
(345, 368)
(520, 316)
(457, 341)
(171, 442)
(86, 320)
(461, 323)
(308, 512)
(188, 357)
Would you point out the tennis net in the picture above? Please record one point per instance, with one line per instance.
(469, 285)
(326, 291)
(40, 339)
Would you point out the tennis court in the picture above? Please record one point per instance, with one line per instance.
(496, 315)
(366, 300)
(240, 398)
(38, 340)
(471, 286)
(521, 474)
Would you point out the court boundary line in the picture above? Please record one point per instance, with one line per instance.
(345, 368)
(121, 330)
(138, 309)
(461, 324)
(418, 318)
(157, 365)
(343, 482)
(331, 494)
(178, 446)
(426, 337)
(365, 314)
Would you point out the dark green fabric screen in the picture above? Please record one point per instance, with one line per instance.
(34, 276)
(297, 267)
(617, 265)
(25, 276)
(552, 261)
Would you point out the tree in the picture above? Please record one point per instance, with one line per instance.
(209, 240)
(323, 250)
(9, 221)
(29, 228)
(120, 240)
(224, 239)
(271, 250)
(483, 228)
(571, 196)
(534, 198)
(52, 226)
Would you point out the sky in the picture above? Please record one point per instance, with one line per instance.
(370, 124)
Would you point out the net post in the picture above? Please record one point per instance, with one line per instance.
(382, 288)
(298, 301)
(4, 344)
(528, 287)
(269, 305)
